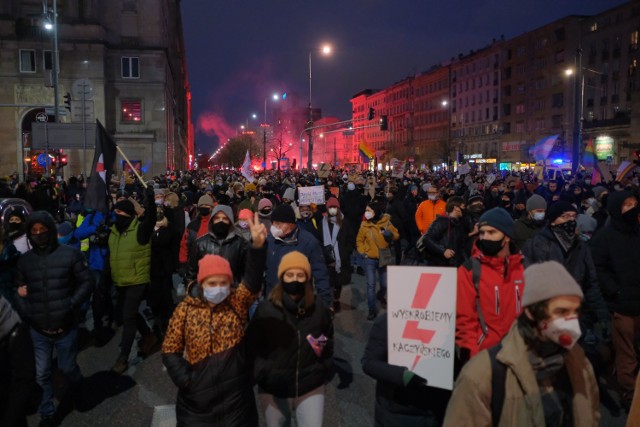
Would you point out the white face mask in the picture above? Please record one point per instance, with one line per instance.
(216, 294)
(305, 214)
(538, 216)
(351, 186)
(159, 202)
(243, 224)
(368, 215)
(432, 197)
(333, 211)
(563, 331)
(275, 231)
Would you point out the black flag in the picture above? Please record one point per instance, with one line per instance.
(101, 171)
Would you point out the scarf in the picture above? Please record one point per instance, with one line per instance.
(331, 238)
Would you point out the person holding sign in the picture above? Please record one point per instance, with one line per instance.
(375, 235)
(537, 375)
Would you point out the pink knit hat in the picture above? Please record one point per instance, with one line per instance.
(210, 265)
(245, 214)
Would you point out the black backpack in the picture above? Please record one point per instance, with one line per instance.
(498, 378)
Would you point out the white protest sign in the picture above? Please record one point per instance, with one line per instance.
(464, 169)
(397, 168)
(308, 195)
(324, 170)
(421, 310)
(490, 178)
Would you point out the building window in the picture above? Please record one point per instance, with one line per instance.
(519, 108)
(130, 67)
(27, 61)
(131, 110)
(557, 100)
(633, 41)
(47, 60)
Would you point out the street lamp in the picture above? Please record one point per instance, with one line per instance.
(578, 92)
(445, 104)
(51, 24)
(275, 97)
(326, 50)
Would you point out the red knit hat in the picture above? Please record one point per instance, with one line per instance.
(210, 265)
(333, 203)
(245, 214)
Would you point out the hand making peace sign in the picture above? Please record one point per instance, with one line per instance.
(258, 231)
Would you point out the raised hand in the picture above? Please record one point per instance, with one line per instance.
(258, 231)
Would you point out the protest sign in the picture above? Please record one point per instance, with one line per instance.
(421, 310)
(397, 168)
(308, 195)
(323, 170)
(464, 169)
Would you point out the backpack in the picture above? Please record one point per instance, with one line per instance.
(498, 379)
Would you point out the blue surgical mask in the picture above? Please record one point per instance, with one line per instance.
(216, 294)
(538, 216)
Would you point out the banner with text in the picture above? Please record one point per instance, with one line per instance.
(421, 307)
(308, 195)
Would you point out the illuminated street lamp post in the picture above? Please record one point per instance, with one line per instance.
(326, 50)
(275, 97)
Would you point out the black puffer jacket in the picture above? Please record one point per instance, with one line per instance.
(58, 281)
(445, 233)
(284, 362)
(615, 249)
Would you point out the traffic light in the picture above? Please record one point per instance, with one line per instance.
(384, 123)
(63, 159)
(67, 101)
(372, 113)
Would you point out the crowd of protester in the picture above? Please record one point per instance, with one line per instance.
(237, 283)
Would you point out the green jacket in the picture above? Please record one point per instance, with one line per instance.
(130, 261)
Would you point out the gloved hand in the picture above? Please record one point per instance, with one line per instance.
(388, 236)
(412, 380)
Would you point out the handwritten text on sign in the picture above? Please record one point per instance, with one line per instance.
(422, 320)
(308, 195)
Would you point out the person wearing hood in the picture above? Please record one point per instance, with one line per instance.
(196, 229)
(528, 226)
(337, 238)
(615, 249)
(290, 345)
(375, 233)
(221, 239)
(17, 231)
(537, 375)
(309, 221)
(130, 262)
(52, 282)
(203, 350)
(410, 205)
(444, 241)
(265, 207)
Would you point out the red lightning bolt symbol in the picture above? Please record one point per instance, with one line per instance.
(424, 292)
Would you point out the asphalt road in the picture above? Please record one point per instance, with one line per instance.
(145, 395)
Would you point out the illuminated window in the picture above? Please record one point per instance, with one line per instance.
(131, 110)
(27, 61)
(130, 67)
(633, 42)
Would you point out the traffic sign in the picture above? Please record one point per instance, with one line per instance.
(42, 159)
(42, 117)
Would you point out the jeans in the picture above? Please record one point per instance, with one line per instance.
(370, 270)
(66, 352)
(309, 408)
(129, 300)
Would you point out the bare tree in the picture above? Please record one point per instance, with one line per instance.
(234, 151)
(280, 148)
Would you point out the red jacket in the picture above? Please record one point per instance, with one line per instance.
(196, 229)
(500, 287)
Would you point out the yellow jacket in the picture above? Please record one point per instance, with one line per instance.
(370, 237)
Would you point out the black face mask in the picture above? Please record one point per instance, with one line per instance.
(490, 247)
(265, 212)
(204, 211)
(568, 227)
(16, 227)
(40, 240)
(475, 209)
(160, 215)
(294, 288)
(630, 217)
(220, 229)
(122, 223)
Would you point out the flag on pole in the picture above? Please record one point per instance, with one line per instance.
(103, 166)
(624, 169)
(542, 148)
(589, 159)
(246, 170)
(366, 152)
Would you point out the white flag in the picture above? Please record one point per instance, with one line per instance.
(247, 172)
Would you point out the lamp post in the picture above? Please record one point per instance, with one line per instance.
(577, 117)
(275, 97)
(326, 50)
(446, 104)
(52, 25)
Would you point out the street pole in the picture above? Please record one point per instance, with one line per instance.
(264, 148)
(577, 119)
(310, 125)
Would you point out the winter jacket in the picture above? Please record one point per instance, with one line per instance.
(233, 248)
(129, 258)
(9, 319)
(399, 218)
(445, 233)
(196, 229)
(88, 227)
(301, 241)
(279, 345)
(353, 204)
(470, 403)
(427, 212)
(58, 281)
(370, 237)
(501, 286)
(615, 249)
(578, 262)
(397, 405)
(524, 229)
(410, 205)
(204, 354)
(163, 245)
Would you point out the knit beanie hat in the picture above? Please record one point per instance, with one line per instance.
(205, 200)
(546, 280)
(249, 187)
(125, 206)
(294, 259)
(245, 214)
(498, 218)
(210, 265)
(558, 208)
(283, 213)
(264, 203)
(333, 203)
(536, 202)
(65, 228)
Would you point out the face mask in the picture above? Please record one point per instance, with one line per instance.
(538, 216)
(159, 202)
(333, 211)
(368, 215)
(490, 247)
(631, 216)
(563, 331)
(265, 212)
(305, 214)
(432, 197)
(220, 229)
(243, 224)
(216, 294)
(40, 240)
(616, 187)
(160, 216)
(294, 288)
(476, 208)
(276, 232)
(351, 186)
(204, 211)
(122, 222)
(15, 226)
(329, 183)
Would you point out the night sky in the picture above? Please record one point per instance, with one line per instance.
(240, 52)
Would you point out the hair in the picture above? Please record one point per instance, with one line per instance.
(275, 296)
(539, 312)
(452, 202)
